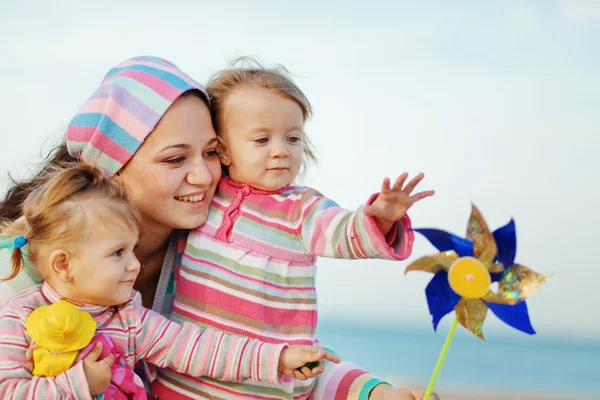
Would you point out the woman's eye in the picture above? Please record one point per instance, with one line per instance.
(211, 153)
(176, 160)
(261, 140)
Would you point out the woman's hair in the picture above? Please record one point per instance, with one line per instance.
(61, 209)
(11, 207)
(246, 71)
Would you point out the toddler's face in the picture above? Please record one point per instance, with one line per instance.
(263, 136)
(105, 268)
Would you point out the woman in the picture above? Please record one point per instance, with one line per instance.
(172, 178)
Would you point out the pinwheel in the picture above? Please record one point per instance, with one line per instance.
(463, 272)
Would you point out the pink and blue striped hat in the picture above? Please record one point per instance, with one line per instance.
(117, 118)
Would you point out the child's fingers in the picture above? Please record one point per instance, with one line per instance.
(108, 360)
(421, 195)
(413, 183)
(400, 182)
(331, 357)
(318, 370)
(306, 372)
(95, 353)
(385, 186)
(299, 375)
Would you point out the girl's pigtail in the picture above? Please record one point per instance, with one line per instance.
(18, 256)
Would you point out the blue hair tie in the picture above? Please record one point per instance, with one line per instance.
(20, 241)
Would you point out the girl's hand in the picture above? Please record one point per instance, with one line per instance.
(29, 356)
(293, 359)
(97, 373)
(393, 203)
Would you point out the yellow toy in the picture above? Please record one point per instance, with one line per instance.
(60, 331)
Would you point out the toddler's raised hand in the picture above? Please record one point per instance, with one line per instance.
(293, 359)
(393, 203)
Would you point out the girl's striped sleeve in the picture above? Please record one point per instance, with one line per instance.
(195, 351)
(16, 381)
(329, 230)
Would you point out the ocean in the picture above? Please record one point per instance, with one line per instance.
(516, 363)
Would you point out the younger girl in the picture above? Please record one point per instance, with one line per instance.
(80, 231)
(250, 270)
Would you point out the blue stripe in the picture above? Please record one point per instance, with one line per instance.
(166, 76)
(369, 386)
(110, 129)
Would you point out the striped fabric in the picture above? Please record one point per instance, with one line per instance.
(125, 108)
(142, 334)
(250, 270)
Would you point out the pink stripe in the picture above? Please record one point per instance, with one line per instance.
(208, 336)
(263, 336)
(271, 224)
(174, 70)
(15, 368)
(258, 359)
(119, 115)
(273, 364)
(357, 242)
(162, 391)
(230, 354)
(245, 308)
(151, 345)
(193, 351)
(154, 82)
(334, 382)
(345, 384)
(13, 344)
(109, 147)
(227, 271)
(80, 134)
(265, 248)
(297, 258)
(239, 368)
(216, 356)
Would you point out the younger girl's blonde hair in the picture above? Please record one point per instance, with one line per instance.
(61, 210)
(246, 71)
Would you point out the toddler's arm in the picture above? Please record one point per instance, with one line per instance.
(196, 351)
(16, 381)
(329, 230)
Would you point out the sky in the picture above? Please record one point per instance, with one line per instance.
(496, 102)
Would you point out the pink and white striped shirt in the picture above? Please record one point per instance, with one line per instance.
(250, 270)
(142, 334)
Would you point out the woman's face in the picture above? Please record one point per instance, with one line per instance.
(173, 176)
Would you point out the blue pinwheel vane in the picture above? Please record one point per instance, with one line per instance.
(463, 272)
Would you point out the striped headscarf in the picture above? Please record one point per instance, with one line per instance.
(115, 120)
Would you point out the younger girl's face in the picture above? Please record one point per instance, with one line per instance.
(105, 267)
(262, 132)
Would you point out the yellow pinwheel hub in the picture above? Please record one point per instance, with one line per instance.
(469, 278)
